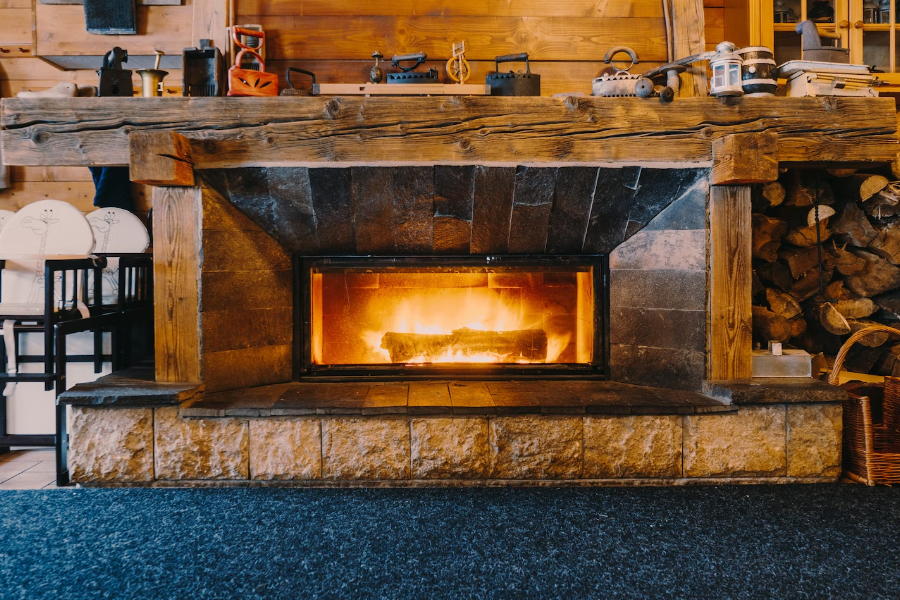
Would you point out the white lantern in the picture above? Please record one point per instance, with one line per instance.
(726, 71)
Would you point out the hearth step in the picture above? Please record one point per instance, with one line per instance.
(451, 398)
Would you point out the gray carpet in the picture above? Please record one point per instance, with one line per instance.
(826, 541)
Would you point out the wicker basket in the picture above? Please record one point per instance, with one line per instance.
(871, 422)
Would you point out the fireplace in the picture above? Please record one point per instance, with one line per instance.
(452, 316)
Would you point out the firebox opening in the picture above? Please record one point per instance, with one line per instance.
(431, 314)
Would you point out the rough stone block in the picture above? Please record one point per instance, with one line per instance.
(285, 449)
(639, 446)
(747, 443)
(111, 444)
(200, 448)
(367, 448)
(535, 447)
(814, 440)
(684, 250)
(456, 448)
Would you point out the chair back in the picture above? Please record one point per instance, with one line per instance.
(46, 227)
(116, 231)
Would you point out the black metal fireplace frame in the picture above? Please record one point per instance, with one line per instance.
(304, 369)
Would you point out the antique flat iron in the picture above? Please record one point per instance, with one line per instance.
(203, 71)
(250, 82)
(408, 74)
(114, 80)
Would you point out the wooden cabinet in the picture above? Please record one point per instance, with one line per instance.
(869, 28)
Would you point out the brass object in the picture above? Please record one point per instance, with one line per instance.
(151, 79)
(376, 75)
(458, 67)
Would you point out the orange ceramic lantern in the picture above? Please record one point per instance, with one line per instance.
(248, 82)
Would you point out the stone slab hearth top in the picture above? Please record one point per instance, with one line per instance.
(451, 398)
(774, 390)
(130, 387)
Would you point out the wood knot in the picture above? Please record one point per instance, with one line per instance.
(209, 145)
(465, 144)
(40, 137)
(572, 102)
(333, 108)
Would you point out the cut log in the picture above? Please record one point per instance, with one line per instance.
(841, 172)
(798, 326)
(775, 273)
(846, 262)
(861, 359)
(853, 227)
(855, 309)
(887, 243)
(889, 302)
(767, 234)
(508, 346)
(869, 185)
(806, 236)
(820, 214)
(756, 286)
(872, 340)
(878, 277)
(767, 326)
(808, 285)
(782, 303)
(895, 167)
(836, 291)
(801, 260)
(801, 189)
(773, 192)
(833, 321)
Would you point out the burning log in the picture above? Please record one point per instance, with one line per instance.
(523, 344)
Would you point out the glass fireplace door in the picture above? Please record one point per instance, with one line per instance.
(464, 314)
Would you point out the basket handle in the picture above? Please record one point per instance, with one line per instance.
(835, 375)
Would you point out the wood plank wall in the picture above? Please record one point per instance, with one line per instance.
(335, 38)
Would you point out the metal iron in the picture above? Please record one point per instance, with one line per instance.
(312, 90)
(114, 80)
(203, 71)
(408, 74)
(521, 83)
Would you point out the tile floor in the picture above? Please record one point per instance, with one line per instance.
(28, 469)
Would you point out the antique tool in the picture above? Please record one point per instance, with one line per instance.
(812, 44)
(671, 81)
(376, 75)
(521, 83)
(250, 82)
(203, 71)
(757, 71)
(726, 71)
(114, 80)
(151, 79)
(408, 74)
(458, 67)
(619, 82)
(312, 90)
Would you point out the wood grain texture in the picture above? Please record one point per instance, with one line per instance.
(730, 343)
(231, 132)
(745, 158)
(688, 24)
(450, 8)
(176, 288)
(16, 27)
(160, 158)
(544, 38)
(209, 21)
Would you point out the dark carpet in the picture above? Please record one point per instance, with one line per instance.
(824, 541)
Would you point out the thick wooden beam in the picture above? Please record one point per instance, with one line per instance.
(290, 131)
(176, 285)
(730, 344)
(160, 158)
(745, 158)
(688, 31)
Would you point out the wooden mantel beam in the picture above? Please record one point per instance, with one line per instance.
(320, 131)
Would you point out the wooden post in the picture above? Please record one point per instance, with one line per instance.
(160, 158)
(176, 272)
(211, 18)
(688, 23)
(745, 158)
(730, 271)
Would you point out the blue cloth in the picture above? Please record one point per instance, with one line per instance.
(113, 188)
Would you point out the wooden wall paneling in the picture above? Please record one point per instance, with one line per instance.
(176, 286)
(16, 27)
(544, 38)
(714, 25)
(210, 19)
(730, 344)
(21, 193)
(450, 8)
(687, 18)
(61, 30)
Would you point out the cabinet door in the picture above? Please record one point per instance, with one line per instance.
(873, 35)
(832, 18)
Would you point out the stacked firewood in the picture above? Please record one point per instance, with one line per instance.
(826, 262)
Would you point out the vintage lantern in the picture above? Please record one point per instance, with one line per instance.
(871, 12)
(726, 71)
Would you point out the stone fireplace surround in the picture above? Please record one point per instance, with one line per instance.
(212, 413)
